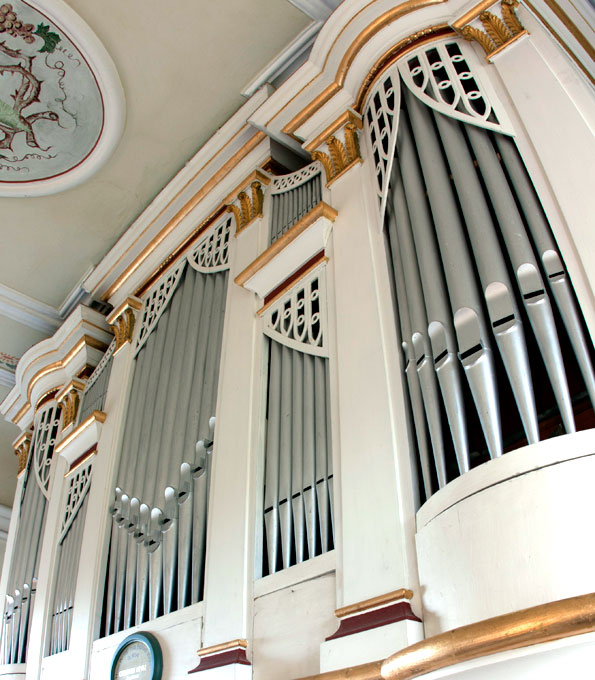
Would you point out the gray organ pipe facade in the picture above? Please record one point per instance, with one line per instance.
(157, 546)
(22, 580)
(461, 209)
(298, 485)
(93, 397)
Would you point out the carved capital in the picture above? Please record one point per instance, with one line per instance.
(122, 321)
(69, 399)
(342, 144)
(21, 448)
(246, 201)
(493, 30)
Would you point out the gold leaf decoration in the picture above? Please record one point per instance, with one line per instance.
(337, 152)
(325, 159)
(510, 18)
(352, 142)
(257, 199)
(495, 28)
(498, 32)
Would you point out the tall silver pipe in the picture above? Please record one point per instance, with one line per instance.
(309, 466)
(497, 287)
(271, 489)
(470, 327)
(551, 259)
(322, 491)
(297, 454)
(285, 515)
(526, 269)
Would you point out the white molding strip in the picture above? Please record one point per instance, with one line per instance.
(28, 311)
(319, 10)
(4, 522)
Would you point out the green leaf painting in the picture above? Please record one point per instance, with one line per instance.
(50, 39)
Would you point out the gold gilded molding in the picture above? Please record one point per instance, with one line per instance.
(246, 207)
(69, 399)
(532, 626)
(122, 320)
(21, 447)
(497, 32)
(322, 209)
(186, 209)
(222, 647)
(341, 154)
(95, 417)
(291, 282)
(348, 58)
(374, 602)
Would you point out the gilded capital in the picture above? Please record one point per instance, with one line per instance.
(246, 202)
(493, 30)
(342, 146)
(69, 399)
(122, 321)
(21, 448)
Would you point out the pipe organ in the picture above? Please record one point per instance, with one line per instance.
(340, 406)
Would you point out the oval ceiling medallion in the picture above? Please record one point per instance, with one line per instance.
(61, 101)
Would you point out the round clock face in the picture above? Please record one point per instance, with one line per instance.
(135, 662)
(138, 658)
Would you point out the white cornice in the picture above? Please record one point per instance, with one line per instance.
(51, 363)
(26, 310)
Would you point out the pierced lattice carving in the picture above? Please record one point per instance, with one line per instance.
(212, 253)
(44, 438)
(441, 76)
(295, 179)
(298, 319)
(156, 302)
(100, 366)
(381, 121)
(78, 486)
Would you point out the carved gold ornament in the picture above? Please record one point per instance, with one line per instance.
(342, 154)
(21, 449)
(246, 201)
(69, 399)
(498, 32)
(122, 321)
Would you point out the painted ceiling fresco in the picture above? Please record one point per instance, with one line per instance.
(51, 109)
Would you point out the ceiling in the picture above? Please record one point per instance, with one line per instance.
(183, 67)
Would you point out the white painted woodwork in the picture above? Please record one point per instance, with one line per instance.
(26, 310)
(231, 522)
(510, 534)
(289, 626)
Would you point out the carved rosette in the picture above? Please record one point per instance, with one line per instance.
(247, 201)
(342, 146)
(21, 447)
(122, 321)
(69, 399)
(493, 30)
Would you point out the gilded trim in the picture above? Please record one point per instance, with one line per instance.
(122, 321)
(291, 282)
(348, 117)
(223, 646)
(95, 417)
(182, 213)
(68, 399)
(21, 447)
(322, 209)
(373, 602)
(363, 37)
(572, 27)
(532, 626)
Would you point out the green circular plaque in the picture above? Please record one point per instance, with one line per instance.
(138, 657)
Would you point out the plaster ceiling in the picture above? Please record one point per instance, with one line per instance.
(182, 66)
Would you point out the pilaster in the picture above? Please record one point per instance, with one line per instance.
(376, 499)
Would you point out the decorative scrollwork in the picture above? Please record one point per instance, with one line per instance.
(156, 302)
(212, 253)
(44, 438)
(440, 75)
(100, 366)
(78, 486)
(298, 319)
(295, 179)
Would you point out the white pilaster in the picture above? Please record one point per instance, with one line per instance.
(231, 522)
(375, 500)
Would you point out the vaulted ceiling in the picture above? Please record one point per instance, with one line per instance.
(183, 67)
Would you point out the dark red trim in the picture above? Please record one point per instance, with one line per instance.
(88, 453)
(226, 658)
(296, 275)
(401, 611)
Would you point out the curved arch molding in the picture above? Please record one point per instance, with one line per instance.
(61, 101)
